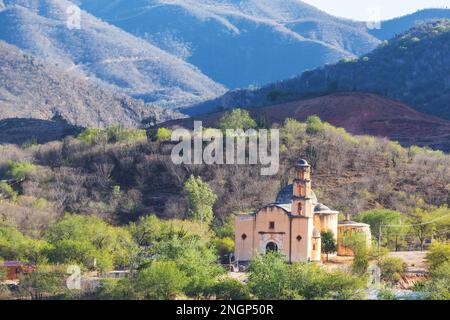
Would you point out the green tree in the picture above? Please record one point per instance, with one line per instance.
(163, 134)
(117, 289)
(438, 254)
(224, 246)
(20, 170)
(329, 244)
(357, 243)
(231, 289)
(201, 199)
(162, 281)
(383, 217)
(90, 242)
(269, 277)
(42, 283)
(422, 225)
(237, 119)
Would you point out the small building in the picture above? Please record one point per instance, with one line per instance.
(291, 225)
(348, 226)
(15, 268)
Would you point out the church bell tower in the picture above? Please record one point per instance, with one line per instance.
(302, 194)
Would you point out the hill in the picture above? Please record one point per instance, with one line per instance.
(22, 131)
(358, 113)
(31, 88)
(413, 67)
(102, 52)
(390, 28)
(240, 43)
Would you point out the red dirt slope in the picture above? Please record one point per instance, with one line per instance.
(358, 113)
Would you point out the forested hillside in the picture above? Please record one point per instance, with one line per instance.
(413, 67)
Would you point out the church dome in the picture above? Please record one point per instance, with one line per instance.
(285, 195)
(320, 208)
(302, 163)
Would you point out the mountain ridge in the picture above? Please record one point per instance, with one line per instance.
(103, 52)
(32, 88)
(413, 67)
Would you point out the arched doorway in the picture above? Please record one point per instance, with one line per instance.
(271, 247)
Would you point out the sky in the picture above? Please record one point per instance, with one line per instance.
(374, 10)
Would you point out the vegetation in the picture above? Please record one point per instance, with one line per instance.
(272, 278)
(201, 200)
(237, 119)
(329, 244)
(109, 187)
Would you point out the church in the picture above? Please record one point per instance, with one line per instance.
(292, 225)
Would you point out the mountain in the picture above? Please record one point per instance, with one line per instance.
(240, 42)
(413, 67)
(47, 29)
(21, 131)
(31, 88)
(390, 28)
(358, 113)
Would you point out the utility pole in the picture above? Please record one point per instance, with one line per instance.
(379, 243)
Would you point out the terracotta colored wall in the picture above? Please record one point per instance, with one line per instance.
(279, 235)
(301, 250)
(244, 224)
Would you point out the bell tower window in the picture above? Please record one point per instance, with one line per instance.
(271, 225)
(300, 208)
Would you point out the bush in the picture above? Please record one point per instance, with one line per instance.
(269, 277)
(7, 192)
(20, 170)
(163, 134)
(162, 281)
(438, 254)
(93, 136)
(116, 289)
(121, 134)
(224, 246)
(391, 269)
(231, 289)
(237, 119)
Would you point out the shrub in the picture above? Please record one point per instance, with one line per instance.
(7, 192)
(93, 136)
(224, 246)
(20, 170)
(163, 134)
(231, 289)
(161, 281)
(269, 277)
(438, 254)
(391, 269)
(237, 119)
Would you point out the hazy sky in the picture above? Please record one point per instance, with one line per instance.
(371, 9)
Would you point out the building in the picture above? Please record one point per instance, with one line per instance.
(15, 268)
(291, 225)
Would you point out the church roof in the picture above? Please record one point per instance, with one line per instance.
(285, 195)
(323, 209)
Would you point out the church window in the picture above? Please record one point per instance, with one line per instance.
(244, 236)
(299, 238)
(272, 225)
(300, 207)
